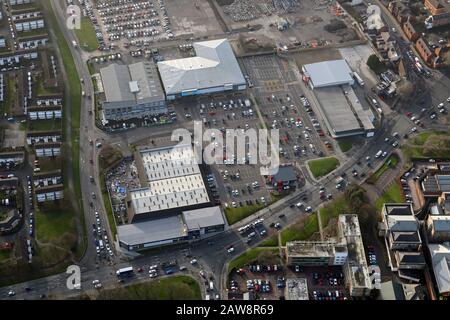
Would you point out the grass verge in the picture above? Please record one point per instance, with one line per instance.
(302, 230)
(250, 256)
(86, 35)
(323, 166)
(390, 162)
(75, 110)
(172, 288)
(236, 214)
(393, 194)
(272, 241)
(345, 145)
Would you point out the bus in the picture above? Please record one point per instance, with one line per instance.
(125, 272)
(358, 79)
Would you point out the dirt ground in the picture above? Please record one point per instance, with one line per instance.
(316, 55)
(192, 17)
(306, 25)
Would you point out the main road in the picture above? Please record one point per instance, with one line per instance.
(212, 256)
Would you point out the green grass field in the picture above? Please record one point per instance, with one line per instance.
(54, 223)
(416, 149)
(74, 88)
(236, 214)
(44, 125)
(345, 145)
(172, 288)
(393, 194)
(272, 241)
(323, 166)
(86, 35)
(301, 231)
(333, 210)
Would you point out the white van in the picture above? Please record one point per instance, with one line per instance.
(378, 154)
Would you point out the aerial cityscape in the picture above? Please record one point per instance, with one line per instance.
(231, 150)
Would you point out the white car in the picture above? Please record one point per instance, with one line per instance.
(308, 209)
(230, 250)
(193, 261)
(413, 129)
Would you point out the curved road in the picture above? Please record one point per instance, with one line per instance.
(212, 257)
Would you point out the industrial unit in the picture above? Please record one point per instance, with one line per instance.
(213, 69)
(172, 205)
(132, 91)
(339, 106)
(187, 226)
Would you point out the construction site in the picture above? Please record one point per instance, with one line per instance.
(286, 23)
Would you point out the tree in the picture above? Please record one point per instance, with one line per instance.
(375, 64)
(405, 89)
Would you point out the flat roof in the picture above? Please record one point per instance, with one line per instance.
(172, 179)
(168, 162)
(297, 289)
(203, 218)
(134, 83)
(337, 111)
(214, 65)
(329, 73)
(163, 229)
(313, 248)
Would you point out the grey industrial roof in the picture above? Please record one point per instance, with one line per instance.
(285, 173)
(146, 76)
(337, 112)
(329, 73)
(152, 231)
(437, 183)
(116, 78)
(214, 65)
(202, 218)
(127, 85)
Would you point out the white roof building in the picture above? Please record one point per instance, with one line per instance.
(328, 73)
(213, 69)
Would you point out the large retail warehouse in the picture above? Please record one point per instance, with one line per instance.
(213, 69)
(172, 205)
(339, 106)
